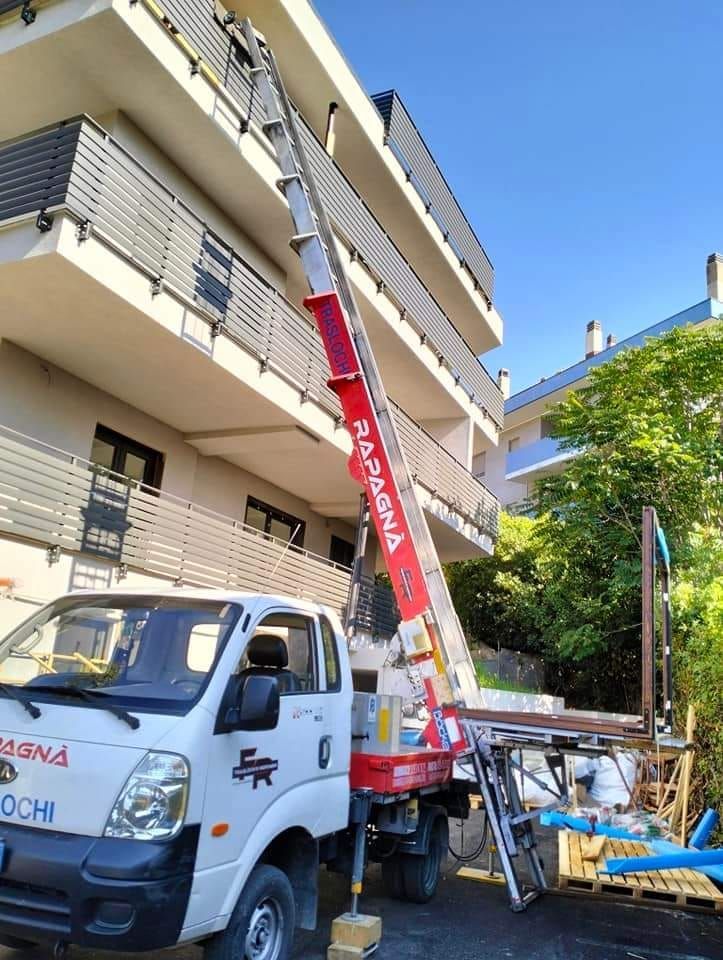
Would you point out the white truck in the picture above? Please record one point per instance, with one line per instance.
(175, 766)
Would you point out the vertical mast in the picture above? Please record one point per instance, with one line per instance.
(431, 634)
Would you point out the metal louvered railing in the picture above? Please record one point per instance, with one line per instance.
(78, 168)
(408, 146)
(64, 503)
(50, 497)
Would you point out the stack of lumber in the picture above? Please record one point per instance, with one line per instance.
(674, 805)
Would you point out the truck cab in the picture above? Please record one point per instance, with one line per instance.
(169, 763)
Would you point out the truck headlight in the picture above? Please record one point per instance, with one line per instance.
(152, 804)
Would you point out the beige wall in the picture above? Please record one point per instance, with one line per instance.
(49, 404)
(221, 486)
(455, 435)
(43, 401)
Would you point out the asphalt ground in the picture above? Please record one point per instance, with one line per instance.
(472, 921)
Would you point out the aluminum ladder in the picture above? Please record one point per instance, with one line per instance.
(315, 244)
(511, 826)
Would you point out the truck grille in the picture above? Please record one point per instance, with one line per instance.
(43, 908)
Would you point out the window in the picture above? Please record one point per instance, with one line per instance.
(275, 522)
(513, 444)
(202, 645)
(122, 455)
(341, 551)
(331, 656)
(144, 652)
(297, 632)
(480, 464)
(545, 427)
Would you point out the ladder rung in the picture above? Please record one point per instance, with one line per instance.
(287, 178)
(299, 238)
(276, 122)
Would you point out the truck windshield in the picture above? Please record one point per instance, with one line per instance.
(141, 651)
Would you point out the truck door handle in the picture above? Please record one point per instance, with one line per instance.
(324, 752)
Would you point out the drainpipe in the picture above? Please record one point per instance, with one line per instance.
(330, 137)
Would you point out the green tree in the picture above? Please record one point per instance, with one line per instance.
(697, 599)
(498, 599)
(647, 430)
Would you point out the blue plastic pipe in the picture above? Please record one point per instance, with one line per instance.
(704, 829)
(665, 861)
(555, 819)
(663, 547)
(665, 846)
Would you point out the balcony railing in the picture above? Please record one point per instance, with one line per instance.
(77, 168)
(206, 41)
(534, 457)
(66, 503)
(377, 610)
(438, 471)
(406, 143)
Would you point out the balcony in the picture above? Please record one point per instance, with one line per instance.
(70, 506)
(114, 259)
(536, 459)
(177, 75)
(421, 170)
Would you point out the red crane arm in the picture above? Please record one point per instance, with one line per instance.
(370, 466)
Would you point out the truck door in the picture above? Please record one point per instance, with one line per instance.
(295, 774)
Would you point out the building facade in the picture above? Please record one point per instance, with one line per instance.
(164, 412)
(526, 451)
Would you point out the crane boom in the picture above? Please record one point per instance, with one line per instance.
(431, 634)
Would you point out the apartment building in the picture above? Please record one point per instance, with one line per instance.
(526, 451)
(164, 412)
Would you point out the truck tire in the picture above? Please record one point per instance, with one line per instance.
(420, 874)
(392, 877)
(261, 926)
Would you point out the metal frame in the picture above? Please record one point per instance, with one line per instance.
(655, 557)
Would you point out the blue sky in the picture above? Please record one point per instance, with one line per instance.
(583, 141)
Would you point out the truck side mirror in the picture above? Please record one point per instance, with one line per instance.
(257, 704)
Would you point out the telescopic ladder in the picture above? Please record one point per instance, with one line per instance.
(431, 633)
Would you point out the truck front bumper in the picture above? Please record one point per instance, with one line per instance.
(112, 894)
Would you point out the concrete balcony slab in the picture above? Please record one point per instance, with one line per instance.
(537, 459)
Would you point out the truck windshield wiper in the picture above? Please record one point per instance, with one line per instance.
(92, 696)
(9, 690)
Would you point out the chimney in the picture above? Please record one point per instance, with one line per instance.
(611, 341)
(714, 276)
(593, 339)
(503, 382)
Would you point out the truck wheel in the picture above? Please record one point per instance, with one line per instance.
(420, 874)
(261, 926)
(392, 877)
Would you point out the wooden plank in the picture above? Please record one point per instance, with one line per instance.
(618, 880)
(481, 876)
(593, 846)
(563, 849)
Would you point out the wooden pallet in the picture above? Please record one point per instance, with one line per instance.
(681, 888)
